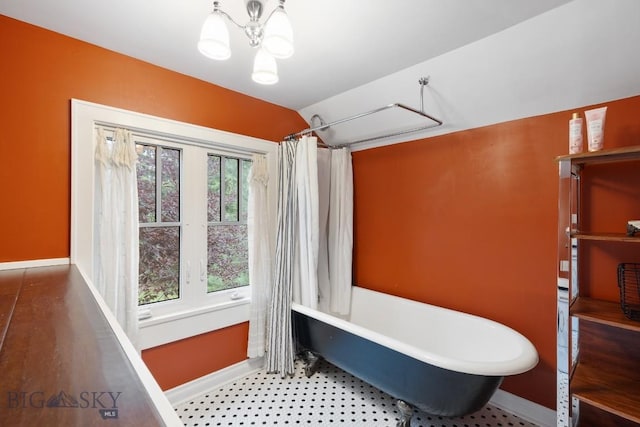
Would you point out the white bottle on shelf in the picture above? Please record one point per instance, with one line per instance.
(575, 135)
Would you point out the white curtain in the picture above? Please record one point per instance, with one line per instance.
(258, 223)
(116, 227)
(324, 188)
(308, 221)
(340, 238)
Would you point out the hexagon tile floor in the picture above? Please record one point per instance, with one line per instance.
(330, 397)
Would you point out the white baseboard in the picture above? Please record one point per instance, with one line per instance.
(188, 391)
(33, 263)
(523, 408)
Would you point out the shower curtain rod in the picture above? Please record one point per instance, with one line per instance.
(324, 126)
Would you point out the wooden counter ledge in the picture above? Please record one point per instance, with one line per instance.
(61, 362)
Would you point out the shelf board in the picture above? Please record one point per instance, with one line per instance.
(603, 312)
(609, 237)
(603, 156)
(612, 393)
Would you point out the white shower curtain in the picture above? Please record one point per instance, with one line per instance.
(324, 188)
(340, 234)
(258, 223)
(314, 241)
(306, 289)
(116, 228)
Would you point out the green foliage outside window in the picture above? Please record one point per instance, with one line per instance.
(158, 173)
(227, 259)
(159, 264)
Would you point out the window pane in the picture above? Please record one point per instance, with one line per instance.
(146, 172)
(170, 180)
(230, 189)
(244, 186)
(228, 257)
(213, 184)
(159, 264)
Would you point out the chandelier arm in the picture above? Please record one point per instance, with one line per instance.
(272, 12)
(226, 15)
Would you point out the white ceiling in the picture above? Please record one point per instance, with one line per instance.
(339, 44)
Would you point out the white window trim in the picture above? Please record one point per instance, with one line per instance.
(186, 322)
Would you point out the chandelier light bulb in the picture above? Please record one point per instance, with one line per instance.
(278, 35)
(265, 69)
(214, 38)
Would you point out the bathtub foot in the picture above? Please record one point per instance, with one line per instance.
(406, 413)
(311, 363)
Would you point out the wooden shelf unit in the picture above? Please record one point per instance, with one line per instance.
(603, 356)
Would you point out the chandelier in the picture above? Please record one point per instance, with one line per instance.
(273, 39)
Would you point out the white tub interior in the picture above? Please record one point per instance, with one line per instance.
(438, 336)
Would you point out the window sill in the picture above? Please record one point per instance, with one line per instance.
(183, 314)
(163, 329)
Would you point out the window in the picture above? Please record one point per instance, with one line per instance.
(192, 204)
(228, 194)
(158, 171)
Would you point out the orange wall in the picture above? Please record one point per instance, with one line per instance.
(469, 220)
(41, 72)
(185, 360)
